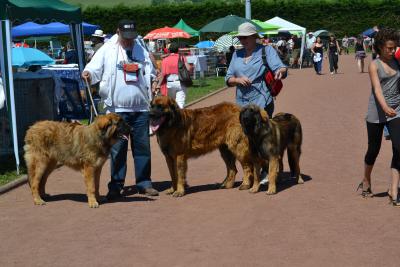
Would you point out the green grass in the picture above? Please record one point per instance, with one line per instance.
(199, 89)
(8, 171)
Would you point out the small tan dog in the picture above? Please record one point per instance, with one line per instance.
(51, 144)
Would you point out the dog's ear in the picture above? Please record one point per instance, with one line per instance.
(175, 116)
(106, 124)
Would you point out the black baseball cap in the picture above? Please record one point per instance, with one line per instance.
(127, 28)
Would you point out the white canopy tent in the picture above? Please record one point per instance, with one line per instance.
(289, 26)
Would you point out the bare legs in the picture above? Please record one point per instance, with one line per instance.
(360, 64)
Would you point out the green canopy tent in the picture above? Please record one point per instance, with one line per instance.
(265, 26)
(183, 26)
(41, 11)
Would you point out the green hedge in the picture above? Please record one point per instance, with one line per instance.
(341, 17)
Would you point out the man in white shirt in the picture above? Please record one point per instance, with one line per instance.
(310, 40)
(123, 68)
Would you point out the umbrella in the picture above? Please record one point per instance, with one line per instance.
(223, 43)
(25, 57)
(321, 33)
(204, 44)
(167, 33)
(285, 34)
(229, 23)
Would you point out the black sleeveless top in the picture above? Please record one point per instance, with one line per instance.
(332, 47)
(359, 47)
(318, 50)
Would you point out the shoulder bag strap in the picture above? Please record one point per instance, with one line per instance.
(264, 59)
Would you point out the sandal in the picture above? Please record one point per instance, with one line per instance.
(365, 193)
(396, 203)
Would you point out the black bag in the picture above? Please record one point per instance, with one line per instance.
(184, 75)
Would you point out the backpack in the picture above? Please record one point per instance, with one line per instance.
(274, 86)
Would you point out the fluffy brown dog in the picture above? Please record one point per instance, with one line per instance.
(187, 133)
(269, 138)
(50, 144)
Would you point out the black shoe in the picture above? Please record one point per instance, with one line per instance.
(150, 191)
(113, 195)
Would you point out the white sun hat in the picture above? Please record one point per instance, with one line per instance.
(99, 33)
(247, 29)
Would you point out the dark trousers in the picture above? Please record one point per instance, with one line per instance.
(140, 146)
(375, 131)
(318, 66)
(333, 61)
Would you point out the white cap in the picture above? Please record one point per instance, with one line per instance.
(247, 29)
(99, 33)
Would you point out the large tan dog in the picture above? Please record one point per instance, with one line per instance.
(50, 144)
(269, 138)
(187, 133)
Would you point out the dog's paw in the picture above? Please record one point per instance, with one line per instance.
(244, 187)
(39, 202)
(300, 180)
(271, 191)
(169, 191)
(93, 204)
(178, 194)
(254, 189)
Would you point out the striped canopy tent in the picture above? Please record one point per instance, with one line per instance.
(41, 11)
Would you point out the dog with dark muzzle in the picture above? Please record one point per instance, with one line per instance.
(269, 138)
(190, 133)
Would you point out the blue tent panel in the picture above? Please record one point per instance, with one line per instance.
(204, 44)
(54, 28)
(370, 32)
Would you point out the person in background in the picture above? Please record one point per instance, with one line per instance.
(361, 54)
(345, 45)
(229, 54)
(97, 40)
(333, 54)
(124, 68)
(318, 52)
(169, 83)
(296, 51)
(246, 72)
(310, 40)
(71, 57)
(383, 109)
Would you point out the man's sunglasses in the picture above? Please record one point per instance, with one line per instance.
(243, 37)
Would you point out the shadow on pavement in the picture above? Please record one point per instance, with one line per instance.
(285, 182)
(83, 198)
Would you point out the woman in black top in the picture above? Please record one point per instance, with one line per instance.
(360, 53)
(317, 50)
(333, 54)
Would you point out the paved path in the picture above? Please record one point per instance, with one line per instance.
(320, 223)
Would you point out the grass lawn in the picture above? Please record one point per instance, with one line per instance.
(202, 88)
(199, 89)
(7, 169)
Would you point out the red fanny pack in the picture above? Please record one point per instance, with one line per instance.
(274, 86)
